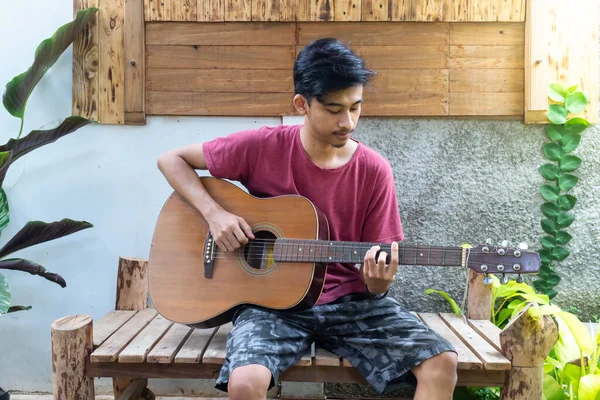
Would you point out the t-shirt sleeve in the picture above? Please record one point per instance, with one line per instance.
(234, 156)
(382, 223)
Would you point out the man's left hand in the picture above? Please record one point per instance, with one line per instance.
(377, 275)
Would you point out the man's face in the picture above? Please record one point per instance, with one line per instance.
(334, 119)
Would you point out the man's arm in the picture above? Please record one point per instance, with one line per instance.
(178, 166)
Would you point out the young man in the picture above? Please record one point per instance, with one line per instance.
(354, 187)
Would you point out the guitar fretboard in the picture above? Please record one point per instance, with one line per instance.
(323, 251)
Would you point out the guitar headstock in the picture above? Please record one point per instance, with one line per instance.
(503, 259)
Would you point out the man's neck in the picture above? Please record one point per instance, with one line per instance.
(323, 154)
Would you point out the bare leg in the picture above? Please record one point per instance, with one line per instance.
(250, 382)
(436, 377)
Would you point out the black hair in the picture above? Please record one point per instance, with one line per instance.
(325, 66)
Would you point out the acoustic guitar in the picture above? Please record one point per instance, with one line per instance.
(193, 282)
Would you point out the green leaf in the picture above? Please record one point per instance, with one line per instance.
(548, 242)
(563, 237)
(553, 280)
(567, 182)
(559, 254)
(4, 211)
(551, 293)
(576, 102)
(455, 307)
(18, 308)
(589, 387)
(540, 285)
(20, 264)
(545, 256)
(569, 163)
(555, 132)
(19, 89)
(566, 201)
(557, 114)
(551, 389)
(549, 192)
(549, 171)
(35, 232)
(576, 125)
(5, 161)
(564, 219)
(550, 209)
(17, 148)
(553, 151)
(570, 142)
(572, 89)
(557, 92)
(549, 226)
(4, 295)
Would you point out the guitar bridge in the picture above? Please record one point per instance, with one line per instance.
(209, 260)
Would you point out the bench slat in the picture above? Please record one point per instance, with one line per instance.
(490, 356)
(215, 352)
(488, 331)
(466, 358)
(193, 349)
(165, 350)
(108, 324)
(110, 349)
(139, 347)
(324, 357)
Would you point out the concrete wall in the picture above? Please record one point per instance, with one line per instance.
(458, 181)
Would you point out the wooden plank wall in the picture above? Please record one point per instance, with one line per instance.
(455, 57)
(424, 69)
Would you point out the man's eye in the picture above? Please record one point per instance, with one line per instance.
(334, 112)
(354, 109)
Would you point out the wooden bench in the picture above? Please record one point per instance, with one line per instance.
(134, 343)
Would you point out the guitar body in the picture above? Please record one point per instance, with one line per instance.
(179, 288)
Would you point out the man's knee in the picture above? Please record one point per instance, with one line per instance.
(249, 382)
(441, 367)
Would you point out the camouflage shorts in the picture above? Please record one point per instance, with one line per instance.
(380, 338)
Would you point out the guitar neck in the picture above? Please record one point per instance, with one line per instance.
(324, 251)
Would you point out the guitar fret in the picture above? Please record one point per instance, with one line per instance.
(444, 257)
(429, 255)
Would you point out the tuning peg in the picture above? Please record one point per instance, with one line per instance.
(519, 278)
(487, 280)
(504, 279)
(489, 242)
(523, 246)
(506, 243)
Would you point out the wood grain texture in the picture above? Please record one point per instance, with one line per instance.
(111, 107)
(487, 34)
(293, 10)
(375, 10)
(487, 80)
(348, 10)
(485, 104)
(184, 10)
(511, 10)
(238, 10)
(265, 10)
(85, 95)
(134, 35)
(483, 10)
(486, 57)
(430, 10)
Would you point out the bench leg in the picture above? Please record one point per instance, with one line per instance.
(526, 342)
(72, 344)
(120, 386)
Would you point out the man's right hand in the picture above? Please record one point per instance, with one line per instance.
(229, 231)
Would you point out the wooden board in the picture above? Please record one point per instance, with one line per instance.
(511, 10)
(293, 10)
(85, 93)
(193, 349)
(410, 80)
(348, 10)
(483, 10)
(374, 10)
(138, 349)
(159, 10)
(111, 77)
(108, 324)
(215, 352)
(486, 80)
(487, 330)
(164, 351)
(430, 10)
(135, 78)
(485, 104)
(110, 349)
(238, 10)
(324, 357)
(184, 10)
(466, 358)
(485, 57)
(492, 359)
(223, 34)
(487, 34)
(405, 104)
(265, 10)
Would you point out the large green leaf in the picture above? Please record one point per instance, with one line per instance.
(548, 242)
(576, 102)
(567, 182)
(563, 237)
(549, 192)
(20, 264)
(555, 132)
(557, 92)
(550, 209)
(17, 148)
(455, 307)
(4, 211)
(564, 219)
(589, 387)
(553, 151)
(550, 171)
(4, 295)
(19, 89)
(569, 163)
(35, 232)
(570, 141)
(557, 114)
(566, 201)
(560, 253)
(575, 125)
(549, 226)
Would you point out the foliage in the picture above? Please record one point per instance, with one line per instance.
(14, 99)
(564, 135)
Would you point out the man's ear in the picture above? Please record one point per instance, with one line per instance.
(300, 104)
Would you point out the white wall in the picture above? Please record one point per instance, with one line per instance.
(106, 175)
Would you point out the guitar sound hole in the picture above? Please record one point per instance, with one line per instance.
(258, 253)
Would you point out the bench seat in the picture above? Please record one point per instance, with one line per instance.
(143, 344)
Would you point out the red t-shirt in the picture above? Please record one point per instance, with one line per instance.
(358, 198)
